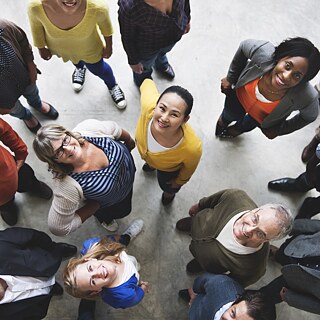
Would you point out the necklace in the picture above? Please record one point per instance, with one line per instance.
(270, 91)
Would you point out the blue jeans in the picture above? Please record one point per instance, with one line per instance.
(234, 111)
(157, 59)
(100, 69)
(32, 95)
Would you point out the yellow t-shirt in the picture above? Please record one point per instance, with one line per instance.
(82, 42)
(185, 157)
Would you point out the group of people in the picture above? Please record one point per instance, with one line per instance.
(94, 171)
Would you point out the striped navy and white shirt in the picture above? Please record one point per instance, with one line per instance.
(112, 184)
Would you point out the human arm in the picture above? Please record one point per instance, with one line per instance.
(129, 29)
(305, 226)
(245, 52)
(311, 169)
(149, 95)
(12, 140)
(107, 50)
(192, 155)
(68, 198)
(127, 139)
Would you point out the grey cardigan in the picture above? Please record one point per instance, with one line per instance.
(252, 60)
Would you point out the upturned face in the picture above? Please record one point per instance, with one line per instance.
(169, 114)
(288, 72)
(237, 311)
(66, 150)
(94, 275)
(256, 227)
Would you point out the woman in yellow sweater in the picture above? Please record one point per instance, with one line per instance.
(79, 31)
(164, 139)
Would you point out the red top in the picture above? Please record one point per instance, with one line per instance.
(257, 109)
(8, 168)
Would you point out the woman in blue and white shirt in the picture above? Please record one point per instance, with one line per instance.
(94, 173)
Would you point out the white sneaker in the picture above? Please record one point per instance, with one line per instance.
(112, 226)
(118, 98)
(134, 229)
(78, 77)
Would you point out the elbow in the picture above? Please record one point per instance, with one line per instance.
(59, 231)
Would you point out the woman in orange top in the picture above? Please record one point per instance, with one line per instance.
(265, 84)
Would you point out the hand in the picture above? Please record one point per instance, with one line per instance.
(107, 51)
(226, 86)
(19, 164)
(192, 295)
(144, 286)
(137, 68)
(3, 288)
(131, 144)
(173, 184)
(188, 27)
(270, 133)
(194, 210)
(283, 293)
(45, 53)
(33, 74)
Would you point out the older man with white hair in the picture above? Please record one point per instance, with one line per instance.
(230, 234)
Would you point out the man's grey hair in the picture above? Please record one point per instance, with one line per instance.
(284, 218)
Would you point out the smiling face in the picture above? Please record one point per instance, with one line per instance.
(237, 311)
(288, 72)
(169, 113)
(70, 5)
(67, 153)
(94, 275)
(256, 227)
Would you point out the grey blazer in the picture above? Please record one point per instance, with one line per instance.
(252, 60)
(303, 282)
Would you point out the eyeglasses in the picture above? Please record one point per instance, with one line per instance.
(60, 151)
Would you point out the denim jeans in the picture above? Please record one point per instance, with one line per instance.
(234, 111)
(157, 59)
(100, 69)
(32, 95)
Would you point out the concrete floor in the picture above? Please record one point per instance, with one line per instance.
(200, 60)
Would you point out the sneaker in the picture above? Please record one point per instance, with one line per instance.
(134, 229)
(118, 98)
(78, 77)
(112, 226)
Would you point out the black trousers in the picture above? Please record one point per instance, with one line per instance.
(27, 182)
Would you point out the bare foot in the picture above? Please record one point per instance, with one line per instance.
(45, 107)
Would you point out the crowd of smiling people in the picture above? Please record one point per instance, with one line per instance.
(93, 169)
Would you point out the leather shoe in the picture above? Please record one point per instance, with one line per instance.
(53, 113)
(34, 129)
(56, 290)
(42, 191)
(184, 224)
(194, 267)
(184, 295)
(66, 250)
(284, 184)
(147, 168)
(220, 127)
(168, 72)
(9, 214)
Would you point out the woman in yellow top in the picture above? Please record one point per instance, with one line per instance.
(79, 31)
(164, 139)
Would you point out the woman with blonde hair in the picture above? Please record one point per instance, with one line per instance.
(105, 270)
(94, 173)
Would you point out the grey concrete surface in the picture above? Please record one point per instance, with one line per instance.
(200, 60)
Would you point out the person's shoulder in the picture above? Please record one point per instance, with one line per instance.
(128, 5)
(34, 4)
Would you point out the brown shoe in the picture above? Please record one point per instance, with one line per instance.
(309, 150)
(194, 267)
(184, 225)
